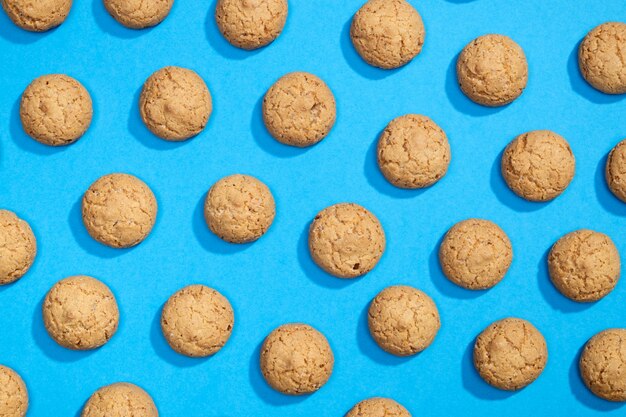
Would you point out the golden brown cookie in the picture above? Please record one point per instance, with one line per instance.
(296, 359)
(413, 152)
(378, 407)
(251, 24)
(80, 313)
(139, 14)
(492, 70)
(346, 240)
(387, 33)
(510, 354)
(603, 364)
(616, 170)
(538, 165)
(119, 210)
(56, 110)
(475, 254)
(403, 320)
(39, 15)
(120, 399)
(18, 247)
(175, 103)
(601, 58)
(239, 208)
(584, 265)
(197, 321)
(299, 109)
(13, 394)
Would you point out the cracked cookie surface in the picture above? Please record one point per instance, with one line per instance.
(18, 247)
(13, 394)
(615, 171)
(120, 399)
(39, 15)
(139, 14)
(602, 57)
(603, 364)
(378, 407)
(296, 359)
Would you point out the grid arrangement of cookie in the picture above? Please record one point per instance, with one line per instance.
(345, 240)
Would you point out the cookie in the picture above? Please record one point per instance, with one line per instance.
(475, 254)
(119, 210)
(175, 103)
(510, 354)
(346, 240)
(251, 24)
(387, 33)
(197, 321)
(538, 165)
(18, 247)
(413, 152)
(601, 58)
(603, 364)
(139, 14)
(56, 110)
(296, 359)
(299, 109)
(492, 70)
(13, 394)
(615, 171)
(120, 399)
(80, 313)
(403, 320)
(378, 407)
(239, 208)
(584, 265)
(37, 16)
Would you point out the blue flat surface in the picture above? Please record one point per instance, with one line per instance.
(274, 281)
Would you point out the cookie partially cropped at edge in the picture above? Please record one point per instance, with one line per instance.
(346, 240)
(492, 70)
(601, 57)
(56, 110)
(615, 171)
(296, 359)
(538, 165)
(39, 15)
(80, 313)
(120, 399)
(13, 393)
(510, 354)
(197, 321)
(18, 247)
(251, 24)
(603, 364)
(139, 14)
(299, 109)
(175, 103)
(119, 210)
(413, 152)
(378, 407)
(387, 33)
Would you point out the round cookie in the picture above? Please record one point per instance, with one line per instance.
(39, 15)
(296, 359)
(56, 110)
(475, 254)
(299, 109)
(18, 247)
(120, 399)
(139, 14)
(492, 70)
(413, 152)
(197, 321)
(119, 210)
(378, 407)
(584, 265)
(13, 394)
(346, 240)
(175, 103)
(510, 354)
(601, 58)
(387, 33)
(251, 24)
(239, 208)
(403, 320)
(80, 313)
(538, 165)
(603, 364)
(615, 171)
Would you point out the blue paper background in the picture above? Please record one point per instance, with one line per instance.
(273, 281)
